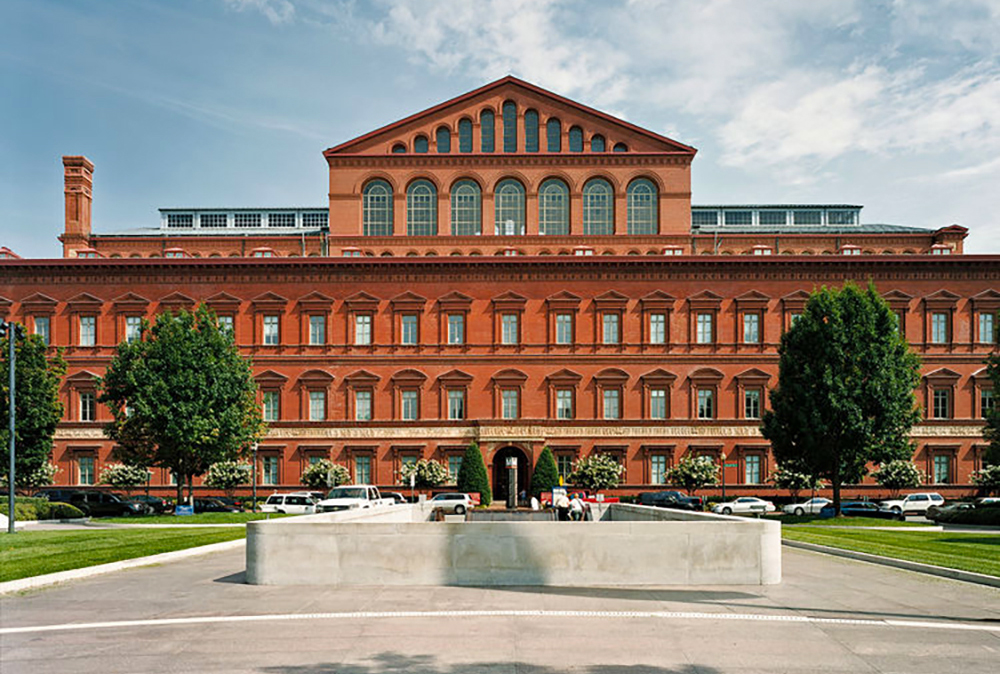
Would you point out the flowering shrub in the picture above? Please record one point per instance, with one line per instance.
(325, 474)
(596, 472)
(228, 475)
(987, 479)
(125, 477)
(693, 473)
(428, 472)
(899, 474)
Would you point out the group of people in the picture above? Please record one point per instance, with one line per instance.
(571, 507)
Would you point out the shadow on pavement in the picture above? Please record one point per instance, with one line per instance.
(686, 596)
(239, 578)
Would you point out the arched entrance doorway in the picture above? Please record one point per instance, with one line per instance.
(500, 485)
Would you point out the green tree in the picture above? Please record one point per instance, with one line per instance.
(123, 476)
(325, 474)
(694, 472)
(546, 473)
(228, 475)
(472, 475)
(845, 388)
(182, 397)
(899, 474)
(992, 430)
(597, 472)
(795, 481)
(428, 472)
(38, 409)
(987, 479)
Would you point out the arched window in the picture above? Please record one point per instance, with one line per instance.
(641, 195)
(466, 208)
(531, 131)
(621, 147)
(553, 208)
(509, 211)
(553, 134)
(421, 208)
(443, 140)
(575, 139)
(597, 143)
(398, 148)
(377, 209)
(510, 126)
(465, 135)
(598, 208)
(487, 132)
(420, 144)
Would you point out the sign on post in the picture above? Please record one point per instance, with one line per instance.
(184, 510)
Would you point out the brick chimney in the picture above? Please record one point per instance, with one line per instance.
(78, 182)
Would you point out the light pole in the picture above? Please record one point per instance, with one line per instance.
(723, 457)
(253, 505)
(12, 331)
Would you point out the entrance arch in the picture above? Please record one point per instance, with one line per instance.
(500, 471)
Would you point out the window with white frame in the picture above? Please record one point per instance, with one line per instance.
(752, 469)
(362, 469)
(456, 328)
(762, 250)
(271, 405)
(182, 220)
(611, 323)
(942, 469)
(133, 328)
(987, 334)
(657, 328)
(408, 405)
(612, 403)
(88, 406)
(213, 220)
(564, 464)
(751, 328)
(317, 329)
(657, 468)
(271, 336)
(985, 402)
(362, 329)
(509, 398)
(850, 250)
(706, 403)
(281, 219)
(363, 405)
(564, 403)
(564, 328)
(315, 219)
(454, 465)
(942, 403)
(658, 403)
(85, 469)
(43, 328)
(509, 329)
(408, 329)
(225, 324)
(456, 404)
(751, 403)
(317, 405)
(246, 219)
(939, 327)
(704, 329)
(269, 469)
(88, 330)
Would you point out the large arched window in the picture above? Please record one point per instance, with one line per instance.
(531, 131)
(597, 143)
(465, 135)
(553, 134)
(420, 144)
(443, 140)
(487, 131)
(509, 208)
(621, 147)
(598, 208)
(421, 208)
(510, 126)
(642, 207)
(466, 208)
(553, 208)
(575, 139)
(377, 209)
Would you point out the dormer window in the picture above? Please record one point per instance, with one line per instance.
(88, 253)
(352, 252)
(583, 250)
(673, 250)
(174, 252)
(262, 252)
(762, 250)
(850, 250)
(940, 249)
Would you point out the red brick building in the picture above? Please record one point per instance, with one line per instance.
(517, 269)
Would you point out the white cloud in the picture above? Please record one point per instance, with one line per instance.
(276, 11)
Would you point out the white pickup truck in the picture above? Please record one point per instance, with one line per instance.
(350, 497)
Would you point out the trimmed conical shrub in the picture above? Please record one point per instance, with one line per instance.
(472, 475)
(546, 475)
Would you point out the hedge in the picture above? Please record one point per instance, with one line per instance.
(27, 508)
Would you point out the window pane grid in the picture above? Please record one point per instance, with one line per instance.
(553, 135)
(466, 209)
(658, 469)
(509, 398)
(612, 403)
(939, 328)
(704, 328)
(598, 208)
(706, 403)
(564, 328)
(88, 330)
(363, 405)
(464, 135)
(456, 404)
(553, 208)
(658, 403)
(377, 209)
(43, 328)
(751, 404)
(564, 403)
(408, 329)
(611, 331)
(421, 209)
(408, 405)
(487, 131)
(751, 466)
(751, 328)
(317, 330)
(363, 329)
(986, 329)
(270, 330)
(942, 403)
(510, 126)
(642, 207)
(509, 208)
(317, 405)
(531, 131)
(942, 469)
(271, 411)
(657, 328)
(456, 329)
(509, 325)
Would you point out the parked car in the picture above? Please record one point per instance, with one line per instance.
(395, 496)
(213, 505)
(810, 507)
(293, 504)
(914, 503)
(744, 504)
(105, 504)
(935, 512)
(155, 503)
(452, 503)
(56, 494)
(349, 497)
(670, 499)
(860, 509)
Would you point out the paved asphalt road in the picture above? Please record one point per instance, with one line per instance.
(829, 615)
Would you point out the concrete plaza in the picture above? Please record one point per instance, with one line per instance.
(196, 615)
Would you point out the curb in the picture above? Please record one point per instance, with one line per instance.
(122, 525)
(929, 569)
(100, 569)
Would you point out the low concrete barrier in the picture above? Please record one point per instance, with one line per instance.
(629, 545)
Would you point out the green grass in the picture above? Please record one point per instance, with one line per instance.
(979, 553)
(199, 518)
(33, 553)
(817, 521)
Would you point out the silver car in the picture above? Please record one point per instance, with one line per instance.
(452, 503)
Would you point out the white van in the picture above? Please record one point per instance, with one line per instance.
(293, 504)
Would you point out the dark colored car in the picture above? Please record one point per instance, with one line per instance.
(670, 499)
(57, 494)
(106, 504)
(157, 504)
(935, 512)
(860, 509)
(212, 505)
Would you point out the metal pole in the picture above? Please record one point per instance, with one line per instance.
(11, 332)
(253, 505)
(723, 476)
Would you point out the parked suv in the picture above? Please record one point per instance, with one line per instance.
(452, 503)
(670, 499)
(914, 503)
(106, 504)
(294, 504)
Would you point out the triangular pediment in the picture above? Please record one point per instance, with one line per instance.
(455, 376)
(564, 297)
(401, 136)
(84, 298)
(705, 296)
(315, 297)
(943, 373)
(408, 297)
(222, 298)
(130, 298)
(565, 375)
(753, 374)
(897, 295)
(361, 377)
(455, 297)
(987, 296)
(38, 299)
(943, 294)
(659, 374)
(82, 377)
(270, 376)
(510, 297)
(797, 296)
(361, 298)
(658, 296)
(177, 298)
(753, 296)
(269, 298)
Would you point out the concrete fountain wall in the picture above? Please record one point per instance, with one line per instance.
(628, 545)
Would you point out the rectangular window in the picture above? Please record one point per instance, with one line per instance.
(408, 405)
(564, 328)
(246, 219)
(751, 465)
(611, 333)
(456, 404)
(508, 324)
(43, 328)
(807, 217)
(658, 469)
(280, 219)
(942, 403)
(225, 324)
(408, 329)
(939, 328)
(751, 403)
(317, 405)
(88, 406)
(985, 402)
(658, 403)
(454, 465)
(213, 220)
(363, 405)
(771, 218)
(612, 403)
(314, 459)
(986, 332)
(704, 333)
(269, 470)
(363, 469)
(509, 399)
(706, 403)
(751, 328)
(362, 329)
(315, 219)
(657, 328)
(317, 330)
(88, 330)
(564, 464)
(564, 403)
(271, 330)
(794, 318)
(738, 217)
(456, 328)
(271, 406)
(85, 466)
(942, 469)
(133, 326)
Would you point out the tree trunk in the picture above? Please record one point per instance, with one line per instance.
(180, 489)
(835, 483)
(190, 490)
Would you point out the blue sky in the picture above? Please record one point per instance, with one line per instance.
(891, 104)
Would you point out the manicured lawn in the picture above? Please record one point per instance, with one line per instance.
(33, 553)
(979, 553)
(199, 518)
(817, 521)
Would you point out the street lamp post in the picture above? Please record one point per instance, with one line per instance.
(723, 457)
(12, 331)
(253, 505)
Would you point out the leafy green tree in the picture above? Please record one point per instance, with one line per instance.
(325, 474)
(472, 475)
(899, 474)
(992, 430)
(845, 388)
(229, 475)
(182, 397)
(38, 410)
(125, 477)
(694, 472)
(428, 472)
(546, 473)
(987, 479)
(794, 481)
(597, 472)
